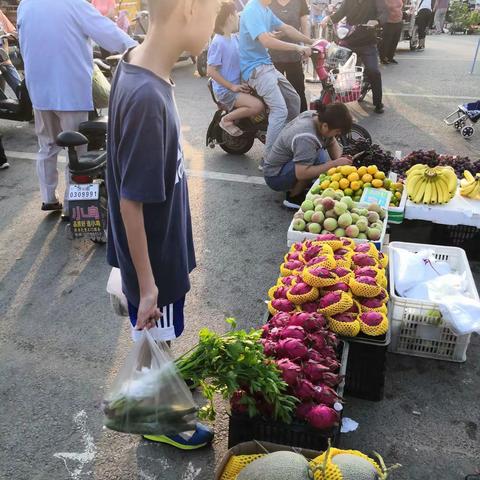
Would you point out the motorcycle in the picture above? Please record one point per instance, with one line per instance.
(87, 192)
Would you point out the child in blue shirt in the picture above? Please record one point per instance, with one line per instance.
(224, 69)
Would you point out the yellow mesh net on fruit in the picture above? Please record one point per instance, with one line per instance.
(347, 329)
(332, 471)
(344, 304)
(372, 250)
(326, 248)
(348, 243)
(236, 464)
(311, 296)
(274, 311)
(363, 289)
(285, 272)
(346, 278)
(318, 282)
(271, 291)
(382, 309)
(334, 244)
(281, 282)
(345, 261)
(329, 262)
(376, 330)
(383, 259)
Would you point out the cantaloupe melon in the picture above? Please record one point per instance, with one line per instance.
(277, 466)
(354, 467)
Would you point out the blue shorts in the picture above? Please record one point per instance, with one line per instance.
(227, 99)
(170, 325)
(286, 179)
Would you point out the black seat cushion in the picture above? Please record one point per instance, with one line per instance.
(94, 127)
(10, 105)
(90, 161)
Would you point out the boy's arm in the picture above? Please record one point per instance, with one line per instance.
(335, 150)
(309, 172)
(132, 216)
(272, 43)
(294, 34)
(213, 73)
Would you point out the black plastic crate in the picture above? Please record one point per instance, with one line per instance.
(366, 368)
(461, 236)
(242, 428)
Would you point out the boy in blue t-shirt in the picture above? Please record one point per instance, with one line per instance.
(150, 230)
(224, 69)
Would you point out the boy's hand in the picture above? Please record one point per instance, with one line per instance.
(304, 51)
(148, 311)
(342, 161)
(240, 89)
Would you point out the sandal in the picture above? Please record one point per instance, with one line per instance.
(52, 207)
(232, 129)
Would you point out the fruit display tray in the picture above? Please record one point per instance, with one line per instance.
(397, 214)
(417, 326)
(242, 428)
(296, 236)
(459, 211)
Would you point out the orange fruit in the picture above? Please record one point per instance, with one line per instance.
(331, 171)
(355, 186)
(367, 178)
(325, 184)
(380, 175)
(377, 183)
(362, 171)
(344, 183)
(353, 177)
(334, 185)
(336, 177)
(372, 169)
(345, 170)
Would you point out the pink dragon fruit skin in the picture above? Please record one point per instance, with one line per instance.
(293, 264)
(293, 256)
(300, 289)
(332, 364)
(283, 305)
(297, 247)
(366, 280)
(316, 261)
(362, 248)
(382, 295)
(341, 251)
(371, 302)
(304, 390)
(329, 299)
(341, 272)
(322, 417)
(363, 260)
(269, 347)
(280, 292)
(326, 395)
(303, 410)
(314, 370)
(331, 379)
(311, 307)
(338, 286)
(312, 252)
(326, 236)
(265, 330)
(293, 331)
(371, 318)
(288, 281)
(290, 371)
(292, 348)
(321, 272)
(317, 340)
(315, 322)
(366, 272)
(299, 319)
(280, 320)
(345, 317)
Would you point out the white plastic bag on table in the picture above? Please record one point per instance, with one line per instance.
(346, 78)
(149, 397)
(117, 297)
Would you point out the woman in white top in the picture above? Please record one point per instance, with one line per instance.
(422, 20)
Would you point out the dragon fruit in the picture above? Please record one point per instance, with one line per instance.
(341, 272)
(293, 256)
(316, 260)
(296, 247)
(300, 289)
(265, 330)
(366, 280)
(321, 272)
(280, 320)
(269, 347)
(283, 305)
(322, 417)
(288, 281)
(362, 248)
(312, 252)
(304, 409)
(293, 265)
(314, 370)
(327, 352)
(338, 286)
(236, 402)
(371, 302)
(311, 307)
(364, 260)
(345, 317)
(353, 309)
(331, 379)
(366, 272)
(332, 339)
(293, 331)
(382, 295)
(290, 371)
(304, 390)
(331, 363)
(274, 333)
(329, 299)
(324, 237)
(292, 348)
(371, 318)
(326, 395)
(280, 292)
(318, 340)
(314, 322)
(341, 251)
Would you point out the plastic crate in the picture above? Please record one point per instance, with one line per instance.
(242, 428)
(462, 236)
(417, 325)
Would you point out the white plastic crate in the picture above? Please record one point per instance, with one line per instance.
(417, 325)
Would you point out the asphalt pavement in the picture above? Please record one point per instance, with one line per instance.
(61, 345)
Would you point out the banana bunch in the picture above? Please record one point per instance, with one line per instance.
(431, 185)
(470, 185)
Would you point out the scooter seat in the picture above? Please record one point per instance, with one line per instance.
(12, 106)
(90, 161)
(94, 127)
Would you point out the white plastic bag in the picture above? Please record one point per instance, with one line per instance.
(345, 79)
(461, 313)
(149, 396)
(117, 297)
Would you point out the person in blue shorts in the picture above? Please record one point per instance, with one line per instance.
(224, 69)
(150, 228)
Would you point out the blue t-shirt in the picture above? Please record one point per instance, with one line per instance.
(223, 53)
(255, 20)
(146, 164)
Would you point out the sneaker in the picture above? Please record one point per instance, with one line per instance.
(294, 202)
(4, 165)
(392, 60)
(379, 108)
(199, 438)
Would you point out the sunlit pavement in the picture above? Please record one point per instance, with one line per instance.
(61, 345)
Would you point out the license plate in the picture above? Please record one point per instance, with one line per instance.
(88, 191)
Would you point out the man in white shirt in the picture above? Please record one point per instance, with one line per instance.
(57, 53)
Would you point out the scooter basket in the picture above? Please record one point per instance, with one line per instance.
(336, 56)
(347, 85)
